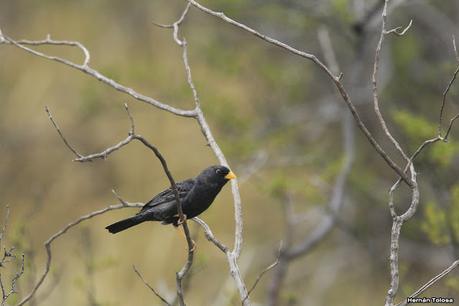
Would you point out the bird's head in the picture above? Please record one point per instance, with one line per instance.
(218, 174)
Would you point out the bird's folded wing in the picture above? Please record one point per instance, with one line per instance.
(168, 196)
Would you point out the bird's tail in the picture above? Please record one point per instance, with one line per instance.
(125, 224)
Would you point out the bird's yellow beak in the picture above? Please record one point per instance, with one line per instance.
(230, 175)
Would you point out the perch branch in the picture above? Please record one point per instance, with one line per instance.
(234, 254)
(104, 154)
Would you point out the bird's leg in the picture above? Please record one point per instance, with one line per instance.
(193, 248)
(180, 219)
(180, 222)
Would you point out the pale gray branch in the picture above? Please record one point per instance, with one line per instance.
(383, 33)
(431, 282)
(335, 79)
(85, 68)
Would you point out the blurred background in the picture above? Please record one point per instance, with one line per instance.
(277, 118)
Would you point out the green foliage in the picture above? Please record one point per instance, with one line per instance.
(434, 224)
(405, 51)
(278, 186)
(232, 123)
(452, 282)
(454, 211)
(443, 153)
(90, 105)
(418, 129)
(341, 9)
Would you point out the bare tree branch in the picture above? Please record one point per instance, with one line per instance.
(233, 255)
(335, 79)
(443, 103)
(9, 258)
(85, 68)
(104, 154)
(383, 33)
(262, 273)
(431, 282)
(210, 236)
(291, 252)
(196, 113)
(150, 287)
(48, 243)
(50, 116)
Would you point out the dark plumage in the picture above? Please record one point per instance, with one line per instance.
(196, 195)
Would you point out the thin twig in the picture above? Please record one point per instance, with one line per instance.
(150, 287)
(56, 126)
(210, 236)
(291, 252)
(455, 48)
(85, 68)
(48, 243)
(400, 31)
(235, 253)
(178, 22)
(335, 79)
(375, 81)
(431, 282)
(443, 102)
(262, 273)
(104, 154)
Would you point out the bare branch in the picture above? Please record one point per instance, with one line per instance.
(78, 155)
(335, 79)
(9, 257)
(450, 126)
(337, 198)
(150, 287)
(455, 48)
(234, 254)
(178, 22)
(182, 220)
(48, 243)
(396, 229)
(291, 252)
(443, 103)
(188, 73)
(210, 236)
(104, 154)
(85, 68)
(375, 81)
(399, 31)
(431, 282)
(262, 273)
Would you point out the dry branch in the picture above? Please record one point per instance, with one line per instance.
(150, 287)
(104, 154)
(196, 113)
(431, 282)
(335, 79)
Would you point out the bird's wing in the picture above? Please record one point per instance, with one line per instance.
(167, 196)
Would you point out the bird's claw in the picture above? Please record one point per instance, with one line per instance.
(181, 219)
(193, 248)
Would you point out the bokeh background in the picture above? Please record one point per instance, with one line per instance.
(271, 112)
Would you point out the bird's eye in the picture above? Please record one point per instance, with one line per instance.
(218, 171)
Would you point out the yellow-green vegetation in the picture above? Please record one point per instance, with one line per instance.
(256, 98)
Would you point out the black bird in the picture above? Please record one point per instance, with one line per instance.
(196, 195)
